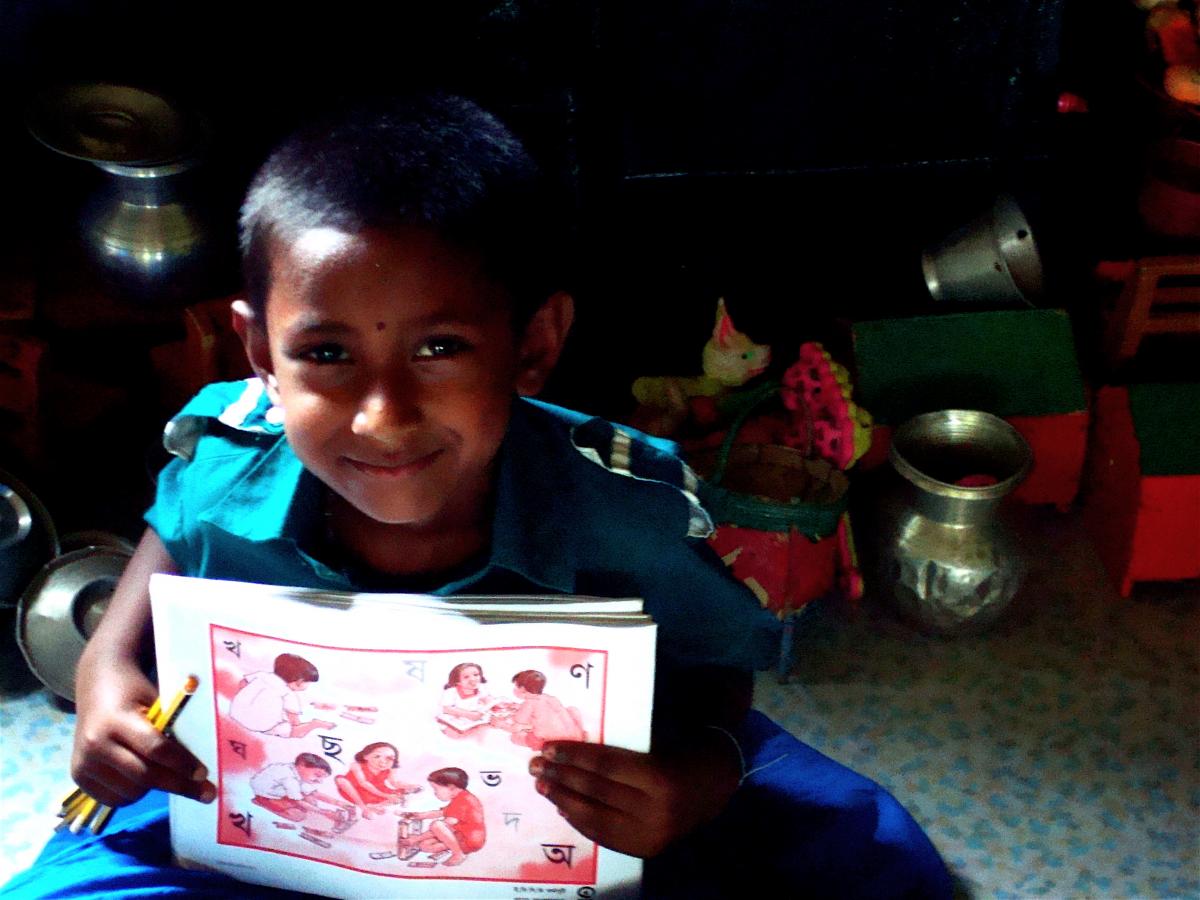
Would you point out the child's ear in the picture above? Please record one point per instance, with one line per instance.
(253, 334)
(542, 342)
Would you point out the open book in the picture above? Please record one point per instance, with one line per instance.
(377, 745)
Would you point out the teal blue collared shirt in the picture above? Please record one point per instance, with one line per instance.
(581, 506)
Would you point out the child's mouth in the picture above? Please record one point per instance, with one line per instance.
(397, 470)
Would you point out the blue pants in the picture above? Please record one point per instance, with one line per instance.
(801, 825)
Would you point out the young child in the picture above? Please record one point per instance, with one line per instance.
(402, 304)
(540, 717)
(292, 790)
(371, 783)
(464, 706)
(457, 828)
(269, 702)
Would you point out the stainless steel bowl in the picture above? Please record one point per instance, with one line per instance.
(28, 538)
(112, 123)
(60, 610)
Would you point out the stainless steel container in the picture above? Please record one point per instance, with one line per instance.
(28, 538)
(148, 230)
(948, 551)
(991, 259)
(60, 610)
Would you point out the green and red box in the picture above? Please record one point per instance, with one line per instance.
(1020, 365)
(1142, 492)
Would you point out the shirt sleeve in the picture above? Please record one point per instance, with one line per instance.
(166, 514)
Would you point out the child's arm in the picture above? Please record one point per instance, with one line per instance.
(335, 801)
(640, 803)
(428, 814)
(401, 787)
(118, 755)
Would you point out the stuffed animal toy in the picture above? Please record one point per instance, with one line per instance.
(729, 360)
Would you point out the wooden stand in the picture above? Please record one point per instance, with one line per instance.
(1160, 296)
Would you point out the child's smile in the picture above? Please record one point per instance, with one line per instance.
(395, 363)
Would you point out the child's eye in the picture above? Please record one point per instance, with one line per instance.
(326, 354)
(440, 347)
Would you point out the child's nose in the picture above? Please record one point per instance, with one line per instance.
(387, 412)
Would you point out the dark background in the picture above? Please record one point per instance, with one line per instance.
(794, 158)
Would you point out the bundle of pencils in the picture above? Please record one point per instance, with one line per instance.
(79, 809)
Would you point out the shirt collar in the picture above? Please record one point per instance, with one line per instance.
(278, 499)
(534, 489)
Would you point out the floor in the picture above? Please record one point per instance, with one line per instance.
(1056, 755)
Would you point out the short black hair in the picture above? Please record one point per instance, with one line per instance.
(450, 777)
(434, 161)
(530, 680)
(291, 668)
(312, 761)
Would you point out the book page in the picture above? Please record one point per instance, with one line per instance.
(367, 746)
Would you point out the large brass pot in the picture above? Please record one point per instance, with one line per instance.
(948, 551)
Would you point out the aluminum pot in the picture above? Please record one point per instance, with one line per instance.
(62, 607)
(28, 538)
(948, 551)
(991, 259)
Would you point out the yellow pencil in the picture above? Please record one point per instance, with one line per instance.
(70, 799)
(79, 808)
(151, 715)
(167, 716)
(101, 819)
(85, 813)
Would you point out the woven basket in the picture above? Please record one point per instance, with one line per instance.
(770, 487)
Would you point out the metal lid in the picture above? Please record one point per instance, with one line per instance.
(60, 610)
(113, 123)
(28, 539)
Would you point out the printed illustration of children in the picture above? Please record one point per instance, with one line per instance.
(457, 828)
(269, 702)
(540, 717)
(464, 706)
(371, 783)
(291, 790)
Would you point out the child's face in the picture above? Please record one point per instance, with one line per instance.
(468, 679)
(443, 791)
(312, 774)
(395, 363)
(381, 758)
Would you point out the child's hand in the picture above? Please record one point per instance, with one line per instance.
(118, 754)
(636, 803)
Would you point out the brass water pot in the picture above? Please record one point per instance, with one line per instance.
(949, 552)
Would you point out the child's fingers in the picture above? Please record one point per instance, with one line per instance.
(628, 767)
(621, 830)
(110, 785)
(137, 774)
(167, 753)
(587, 784)
(589, 816)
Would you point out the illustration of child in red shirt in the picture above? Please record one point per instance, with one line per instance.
(457, 828)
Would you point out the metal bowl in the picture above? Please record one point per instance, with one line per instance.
(112, 123)
(60, 610)
(28, 538)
